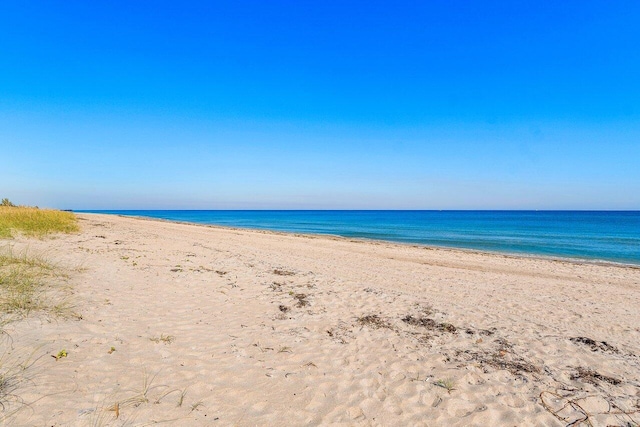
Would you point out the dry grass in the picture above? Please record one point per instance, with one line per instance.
(166, 339)
(14, 372)
(34, 222)
(125, 409)
(447, 384)
(10, 378)
(28, 283)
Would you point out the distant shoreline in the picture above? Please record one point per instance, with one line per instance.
(512, 255)
(355, 210)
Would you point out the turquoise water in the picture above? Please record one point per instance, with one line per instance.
(594, 235)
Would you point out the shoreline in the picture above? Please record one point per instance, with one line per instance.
(514, 255)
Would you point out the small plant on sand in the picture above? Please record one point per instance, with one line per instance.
(196, 405)
(62, 353)
(14, 372)
(10, 378)
(125, 408)
(139, 396)
(447, 384)
(183, 394)
(166, 339)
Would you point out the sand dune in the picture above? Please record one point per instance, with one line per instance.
(217, 326)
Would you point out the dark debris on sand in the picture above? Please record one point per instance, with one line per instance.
(373, 321)
(427, 322)
(591, 376)
(594, 345)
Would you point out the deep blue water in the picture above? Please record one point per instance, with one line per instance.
(595, 235)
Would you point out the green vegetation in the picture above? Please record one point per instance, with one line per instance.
(34, 222)
(62, 353)
(447, 383)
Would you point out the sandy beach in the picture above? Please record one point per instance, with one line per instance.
(192, 325)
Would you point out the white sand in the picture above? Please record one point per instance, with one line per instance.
(243, 361)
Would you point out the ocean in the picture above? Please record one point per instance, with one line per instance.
(592, 235)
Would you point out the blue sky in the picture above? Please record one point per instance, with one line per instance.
(329, 105)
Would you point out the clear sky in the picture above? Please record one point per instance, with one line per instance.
(323, 104)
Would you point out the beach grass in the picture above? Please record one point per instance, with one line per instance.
(446, 383)
(14, 372)
(34, 222)
(27, 284)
